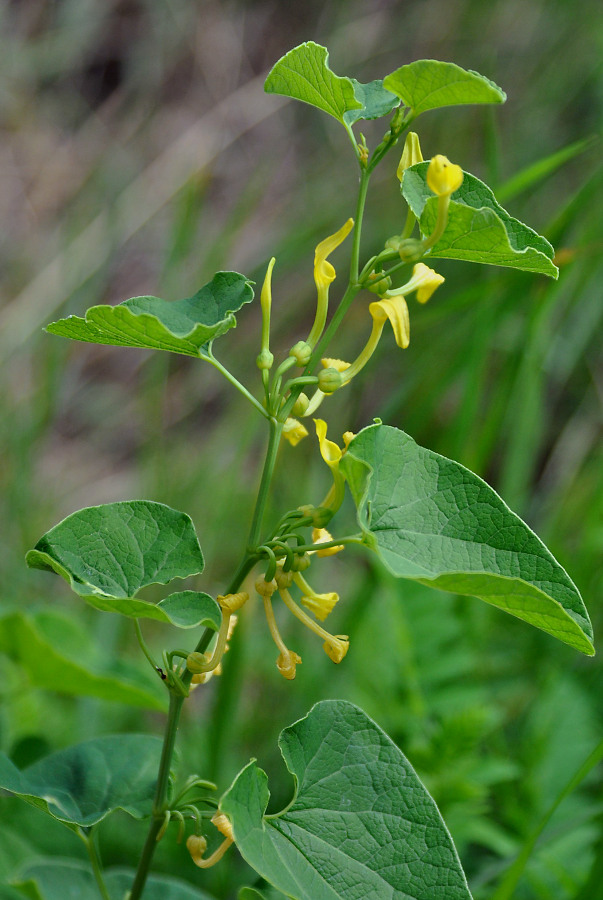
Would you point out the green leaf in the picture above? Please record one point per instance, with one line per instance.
(303, 74)
(375, 101)
(52, 879)
(430, 84)
(248, 893)
(181, 326)
(433, 521)
(361, 824)
(82, 784)
(58, 655)
(108, 553)
(479, 229)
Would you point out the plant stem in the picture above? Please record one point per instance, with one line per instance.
(95, 862)
(234, 381)
(276, 429)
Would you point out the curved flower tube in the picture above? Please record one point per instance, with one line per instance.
(324, 274)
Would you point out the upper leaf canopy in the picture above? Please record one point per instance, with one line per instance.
(181, 326)
(479, 229)
(430, 84)
(433, 521)
(108, 553)
(303, 74)
(361, 824)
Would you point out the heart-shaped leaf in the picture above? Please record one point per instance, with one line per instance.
(303, 74)
(108, 553)
(52, 879)
(58, 655)
(433, 521)
(82, 784)
(182, 326)
(479, 229)
(430, 84)
(361, 824)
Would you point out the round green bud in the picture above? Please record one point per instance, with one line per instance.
(393, 243)
(321, 516)
(410, 250)
(301, 563)
(329, 380)
(301, 353)
(300, 405)
(264, 359)
(377, 285)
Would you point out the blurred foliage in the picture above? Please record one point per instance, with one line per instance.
(140, 155)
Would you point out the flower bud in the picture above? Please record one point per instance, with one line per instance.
(320, 515)
(301, 353)
(300, 405)
(196, 662)
(301, 563)
(378, 285)
(410, 155)
(329, 380)
(410, 250)
(265, 588)
(196, 846)
(264, 359)
(283, 579)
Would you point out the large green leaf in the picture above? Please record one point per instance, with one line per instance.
(361, 824)
(82, 784)
(248, 893)
(108, 553)
(430, 84)
(303, 74)
(182, 326)
(432, 520)
(58, 655)
(479, 229)
(52, 879)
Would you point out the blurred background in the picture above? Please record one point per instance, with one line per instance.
(139, 155)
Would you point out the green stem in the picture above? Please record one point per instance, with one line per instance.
(95, 862)
(362, 191)
(324, 545)
(210, 358)
(276, 429)
(143, 645)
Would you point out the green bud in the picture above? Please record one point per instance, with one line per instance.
(393, 243)
(301, 353)
(300, 405)
(320, 515)
(411, 250)
(329, 380)
(377, 285)
(264, 359)
(301, 563)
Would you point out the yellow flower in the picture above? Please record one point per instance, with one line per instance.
(294, 431)
(338, 364)
(337, 647)
(424, 281)
(320, 604)
(443, 177)
(286, 664)
(410, 155)
(322, 536)
(329, 450)
(324, 272)
(396, 310)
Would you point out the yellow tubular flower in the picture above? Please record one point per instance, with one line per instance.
(424, 281)
(322, 536)
(319, 604)
(443, 177)
(286, 664)
(294, 431)
(396, 310)
(410, 155)
(324, 274)
(331, 454)
(287, 660)
(335, 646)
(266, 303)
